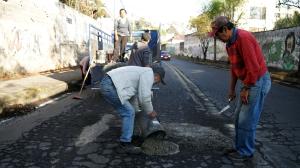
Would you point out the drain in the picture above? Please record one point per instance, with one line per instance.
(157, 146)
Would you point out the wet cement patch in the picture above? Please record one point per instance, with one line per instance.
(157, 146)
(197, 136)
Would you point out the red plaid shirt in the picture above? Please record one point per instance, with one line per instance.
(246, 57)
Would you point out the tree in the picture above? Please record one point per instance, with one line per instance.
(213, 9)
(225, 8)
(288, 21)
(289, 3)
(202, 25)
(142, 24)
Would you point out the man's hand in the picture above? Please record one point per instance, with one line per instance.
(245, 96)
(152, 114)
(231, 95)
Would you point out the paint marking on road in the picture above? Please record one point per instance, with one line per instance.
(52, 100)
(90, 133)
(6, 120)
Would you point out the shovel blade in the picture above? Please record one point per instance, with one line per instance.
(224, 109)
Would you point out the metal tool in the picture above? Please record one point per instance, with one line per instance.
(225, 108)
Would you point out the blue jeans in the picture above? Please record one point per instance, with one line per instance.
(247, 116)
(126, 110)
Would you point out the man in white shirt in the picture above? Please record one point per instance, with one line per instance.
(126, 88)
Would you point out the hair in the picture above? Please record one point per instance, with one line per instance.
(229, 25)
(122, 10)
(290, 35)
(146, 36)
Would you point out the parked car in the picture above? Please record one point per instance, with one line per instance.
(164, 55)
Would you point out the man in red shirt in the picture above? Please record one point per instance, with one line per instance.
(247, 64)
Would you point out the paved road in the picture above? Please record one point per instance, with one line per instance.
(74, 133)
(278, 135)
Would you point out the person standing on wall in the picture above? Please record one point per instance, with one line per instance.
(122, 32)
(247, 64)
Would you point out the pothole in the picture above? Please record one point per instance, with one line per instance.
(156, 146)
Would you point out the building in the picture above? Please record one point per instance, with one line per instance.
(258, 15)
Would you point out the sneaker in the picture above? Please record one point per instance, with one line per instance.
(236, 156)
(127, 147)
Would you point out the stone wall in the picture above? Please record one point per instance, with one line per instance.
(281, 48)
(39, 35)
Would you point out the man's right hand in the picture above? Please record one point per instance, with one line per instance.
(152, 114)
(231, 95)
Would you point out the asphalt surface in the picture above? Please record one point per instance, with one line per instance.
(84, 133)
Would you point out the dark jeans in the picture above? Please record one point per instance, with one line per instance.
(119, 50)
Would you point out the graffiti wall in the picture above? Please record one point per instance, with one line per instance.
(281, 47)
(40, 35)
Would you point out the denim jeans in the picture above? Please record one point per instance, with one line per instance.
(126, 110)
(247, 116)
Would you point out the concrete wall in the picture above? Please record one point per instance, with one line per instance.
(280, 47)
(39, 35)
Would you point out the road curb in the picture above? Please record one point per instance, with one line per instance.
(29, 90)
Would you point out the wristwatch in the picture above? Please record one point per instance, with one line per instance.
(246, 88)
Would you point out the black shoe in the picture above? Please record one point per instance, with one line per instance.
(236, 156)
(127, 147)
(228, 151)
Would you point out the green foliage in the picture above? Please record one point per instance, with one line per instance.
(224, 7)
(215, 8)
(142, 24)
(201, 24)
(288, 21)
(90, 8)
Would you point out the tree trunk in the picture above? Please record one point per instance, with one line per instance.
(215, 49)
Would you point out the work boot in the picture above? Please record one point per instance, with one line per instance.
(128, 147)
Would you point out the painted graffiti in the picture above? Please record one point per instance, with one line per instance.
(282, 53)
(288, 58)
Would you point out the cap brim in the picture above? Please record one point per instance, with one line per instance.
(213, 33)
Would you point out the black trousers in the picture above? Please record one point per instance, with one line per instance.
(119, 49)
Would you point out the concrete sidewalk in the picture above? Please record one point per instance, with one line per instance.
(34, 88)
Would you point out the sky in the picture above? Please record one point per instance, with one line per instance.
(158, 11)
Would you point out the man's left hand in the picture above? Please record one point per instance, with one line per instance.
(245, 96)
(152, 114)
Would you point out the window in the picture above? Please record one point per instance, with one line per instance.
(258, 13)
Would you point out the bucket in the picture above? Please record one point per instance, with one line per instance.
(145, 127)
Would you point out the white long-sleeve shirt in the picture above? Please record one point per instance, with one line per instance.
(131, 81)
